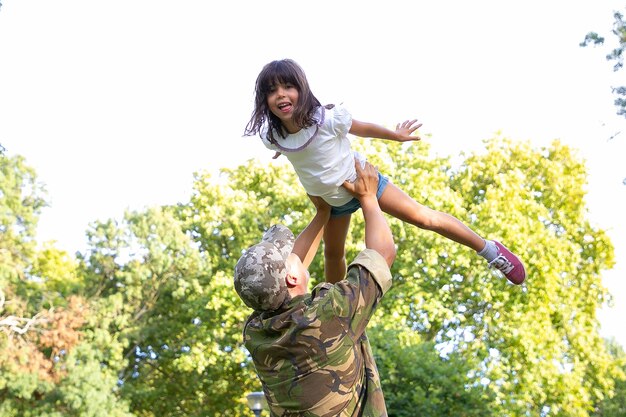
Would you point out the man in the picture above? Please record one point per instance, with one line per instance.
(310, 350)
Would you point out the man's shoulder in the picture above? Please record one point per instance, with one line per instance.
(376, 266)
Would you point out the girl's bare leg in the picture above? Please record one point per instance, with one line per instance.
(398, 204)
(335, 234)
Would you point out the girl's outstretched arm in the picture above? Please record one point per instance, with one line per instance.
(403, 132)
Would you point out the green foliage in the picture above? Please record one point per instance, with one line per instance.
(616, 55)
(86, 390)
(21, 201)
(614, 404)
(146, 322)
(173, 312)
(46, 368)
(417, 381)
(538, 345)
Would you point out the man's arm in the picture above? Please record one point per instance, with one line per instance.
(377, 232)
(403, 132)
(308, 240)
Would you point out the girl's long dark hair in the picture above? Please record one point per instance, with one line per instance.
(285, 71)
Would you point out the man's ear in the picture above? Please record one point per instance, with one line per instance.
(291, 280)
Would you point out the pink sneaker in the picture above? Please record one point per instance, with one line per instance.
(509, 264)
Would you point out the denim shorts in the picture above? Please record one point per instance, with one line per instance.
(353, 205)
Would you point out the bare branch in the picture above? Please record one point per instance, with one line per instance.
(15, 324)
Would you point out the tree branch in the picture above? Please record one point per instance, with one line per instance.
(14, 323)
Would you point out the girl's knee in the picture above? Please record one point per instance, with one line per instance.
(428, 219)
(334, 254)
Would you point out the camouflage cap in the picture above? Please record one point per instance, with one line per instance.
(260, 273)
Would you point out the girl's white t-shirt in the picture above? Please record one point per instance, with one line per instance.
(327, 161)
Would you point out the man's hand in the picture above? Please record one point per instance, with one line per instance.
(377, 232)
(366, 183)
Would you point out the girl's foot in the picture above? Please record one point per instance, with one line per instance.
(509, 264)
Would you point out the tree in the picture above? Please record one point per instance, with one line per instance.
(47, 366)
(616, 55)
(21, 200)
(538, 345)
(174, 312)
(614, 405)
(535, 347)
(163, 281)
(147, 322)
(418, 381)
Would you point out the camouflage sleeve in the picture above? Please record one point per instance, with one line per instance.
(355, 298)
(376, 265)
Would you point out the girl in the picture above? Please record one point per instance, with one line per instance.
(291, 120)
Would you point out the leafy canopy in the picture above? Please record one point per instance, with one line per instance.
(146, 322)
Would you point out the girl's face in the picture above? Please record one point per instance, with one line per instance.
(281, 100)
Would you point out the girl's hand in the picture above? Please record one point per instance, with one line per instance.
(405, 129)
(277, 154)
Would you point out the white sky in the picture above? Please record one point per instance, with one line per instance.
(116, 103)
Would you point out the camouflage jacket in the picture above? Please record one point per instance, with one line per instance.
(312, 356)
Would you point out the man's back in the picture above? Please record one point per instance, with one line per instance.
(313, 356)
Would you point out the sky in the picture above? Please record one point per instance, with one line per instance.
(117, 103)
